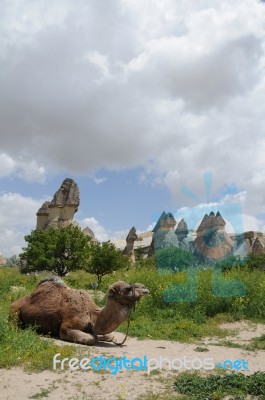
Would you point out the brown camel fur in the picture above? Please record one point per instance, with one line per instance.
(55, 309)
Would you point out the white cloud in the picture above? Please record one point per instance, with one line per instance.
(99, 181)
(99, 231)
(7, 165)
(252, 224)
(151, 226)
(17, 218)
(120, 234)
(100, 61)
(176, 86)
(12, 242)
(28, 170)
(180, 68)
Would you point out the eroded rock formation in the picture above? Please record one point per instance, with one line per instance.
(60, 211)
(42, 215)
(182, 230)
(164, 234)
(87, 231)
(212, 242)
(129, 248)
(258, 246)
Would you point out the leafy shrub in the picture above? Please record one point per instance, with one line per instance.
(173, 259)
(105, 258)
(256, 261)
(145, 263)
(230, 262)
(57, 250)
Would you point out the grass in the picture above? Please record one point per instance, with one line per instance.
(185, 321)
(190, 321)
(201, 349)
(44, 393)
(155, 396)
(22, 347)
(214, 387)
(229, 343)
(257, 343)
(40, 395)
(253, 345)
(168, 392)
(26, 348)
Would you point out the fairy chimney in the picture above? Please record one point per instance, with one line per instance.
(87, 231)
(60, 211)
(212, 242)
(182, 230)
(42, 215)
(258, 246)
(163, 233)
(129, 248)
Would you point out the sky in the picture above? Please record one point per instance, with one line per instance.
(148, 105)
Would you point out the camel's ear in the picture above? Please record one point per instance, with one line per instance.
(113, 290)
(118, 288)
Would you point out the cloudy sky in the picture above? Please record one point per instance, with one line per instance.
(136, 100)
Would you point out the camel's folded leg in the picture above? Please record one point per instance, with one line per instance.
(105, 338)
(76, 336)
(15, 308)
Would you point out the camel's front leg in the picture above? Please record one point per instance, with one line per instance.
(76, 336)
(105, 338)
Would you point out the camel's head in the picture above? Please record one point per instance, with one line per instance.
(127, 293)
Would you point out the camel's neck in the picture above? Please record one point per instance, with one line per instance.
(110, 317)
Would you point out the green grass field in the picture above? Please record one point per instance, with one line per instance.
(154, 318)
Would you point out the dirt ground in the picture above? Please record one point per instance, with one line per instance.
(125, 385)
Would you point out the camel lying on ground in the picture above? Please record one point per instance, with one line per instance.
(55, 309)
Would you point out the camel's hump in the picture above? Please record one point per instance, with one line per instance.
(54, 279)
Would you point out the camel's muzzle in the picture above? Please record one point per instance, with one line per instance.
(139, 290)
(126, 292)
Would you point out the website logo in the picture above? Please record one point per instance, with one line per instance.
(202, 232)
(114, 365)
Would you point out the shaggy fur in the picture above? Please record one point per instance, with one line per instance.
(55, 309)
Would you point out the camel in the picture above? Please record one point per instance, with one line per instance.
(70, 314)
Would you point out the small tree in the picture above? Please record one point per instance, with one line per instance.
(173, 259)
(59, 250)
(230, 262)
(256, 261)
(105, 258)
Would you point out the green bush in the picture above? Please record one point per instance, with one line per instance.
(230, 262)
(173, 259)
(105, 258)
(57, 250)
(256, 261)
(145, 263)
